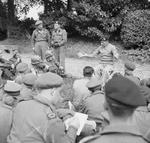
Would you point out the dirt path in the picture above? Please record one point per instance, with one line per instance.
(75, 66)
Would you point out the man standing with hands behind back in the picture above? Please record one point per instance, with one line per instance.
(40, 39)
(59, 39)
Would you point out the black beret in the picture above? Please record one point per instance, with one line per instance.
(124, 91)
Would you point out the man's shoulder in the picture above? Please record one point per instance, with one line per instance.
(78, 82)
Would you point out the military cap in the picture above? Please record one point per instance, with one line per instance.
(48, 54)
(36, 60)
(130, 66)
(12, 88)
(122, 91)
(22, 67)
(48, 80)
(29, 79)
(94, 82)
(38, 22)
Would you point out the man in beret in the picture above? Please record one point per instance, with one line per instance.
(22, 69)
(93, 104)
(37, 121)
(40, 39)
(9, 100)
(27, 92)
(80, 89)
(129, 67)
(38, 66)
(122, 98)
(59, 39)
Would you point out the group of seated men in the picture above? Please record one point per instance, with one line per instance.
(117, 106)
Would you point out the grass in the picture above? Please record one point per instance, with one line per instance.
(73, 46)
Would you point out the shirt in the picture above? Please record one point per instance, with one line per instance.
(42, 35)
(107, 54)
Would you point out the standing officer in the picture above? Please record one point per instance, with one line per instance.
(59, 39)
(36, 120)
(122, 98)
(40, 39)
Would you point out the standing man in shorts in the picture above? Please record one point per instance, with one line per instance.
(40, 39)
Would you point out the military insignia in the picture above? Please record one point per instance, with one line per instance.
(51, 115)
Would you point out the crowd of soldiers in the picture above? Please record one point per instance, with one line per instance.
(31, 108)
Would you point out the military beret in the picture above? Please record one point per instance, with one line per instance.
(12, 88)
(130, 66)
(38, 22)
(94, 82)
(48, 80)
(29, 79)
(22, 67)
(48, 54)
(36, 60)
(123, 91)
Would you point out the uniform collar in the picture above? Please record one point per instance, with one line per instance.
(121, 128)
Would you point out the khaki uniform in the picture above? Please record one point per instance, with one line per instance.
(93, 106)
(80, 92)
(41, 41)
(5, 121)
(35, 121)
(59, 39)
(118, 134)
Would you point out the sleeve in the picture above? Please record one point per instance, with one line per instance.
(56, 132)
(48, 38)
(115, 52)
(33, 39)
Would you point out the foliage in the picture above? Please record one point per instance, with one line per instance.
(135, 29)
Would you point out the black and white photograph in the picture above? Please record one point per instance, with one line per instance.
(74, 71)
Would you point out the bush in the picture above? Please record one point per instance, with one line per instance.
(135, 29)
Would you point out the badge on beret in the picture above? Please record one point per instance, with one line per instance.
(51, 115)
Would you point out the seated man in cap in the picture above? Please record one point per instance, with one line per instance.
(52, 64)
(22, 69)
(27, 92)
(40, 39)
(122, 98)
(12, 92)
(80, 89)
(38, 66)
(37, 121)
(129, 68)
(93, 104)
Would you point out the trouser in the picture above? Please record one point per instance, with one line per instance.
(40, 48)
(59, 53)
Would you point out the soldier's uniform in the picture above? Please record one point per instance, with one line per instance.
(40, 40)
(36, 120)
(22, 69)
(129, 68)
(121, 93)
(38, 66)
(6, 111)
(27, 92)
(59, 39)
(93, 105)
